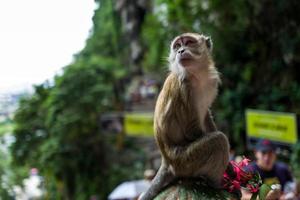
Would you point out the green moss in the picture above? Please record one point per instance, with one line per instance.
(191, 190)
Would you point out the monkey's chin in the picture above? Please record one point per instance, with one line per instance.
(186, 63)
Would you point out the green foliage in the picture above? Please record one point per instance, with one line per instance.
(263, 191)
(196, 190)
(30, 126)
(255, 49)
(4, 166)
(9, 175)
(58, 129)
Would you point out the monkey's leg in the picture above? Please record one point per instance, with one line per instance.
(207, 156)
(163, 178)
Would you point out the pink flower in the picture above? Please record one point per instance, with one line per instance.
(244, 162)
(252, 188)
(225, 175)
(236, 185)
(235, 177)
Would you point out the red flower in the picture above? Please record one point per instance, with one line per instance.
(236, 185)
(235, 177)
(252, 188)
(244, 162)
(237, 170)
(225, 175)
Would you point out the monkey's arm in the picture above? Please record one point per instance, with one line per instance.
(209, 122)
(207, 156)
(206, 146)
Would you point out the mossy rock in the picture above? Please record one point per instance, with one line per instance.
(190, 190)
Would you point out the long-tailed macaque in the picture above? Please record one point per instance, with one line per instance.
(184, 129)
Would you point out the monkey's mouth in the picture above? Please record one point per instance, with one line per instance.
(185, 57)
(185, 60)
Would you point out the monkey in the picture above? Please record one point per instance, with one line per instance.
(184, 129)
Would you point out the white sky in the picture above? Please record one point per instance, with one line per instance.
(39, 37)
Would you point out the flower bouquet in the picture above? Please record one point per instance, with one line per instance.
(236, 178)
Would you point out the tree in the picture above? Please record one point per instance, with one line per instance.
(57, 128)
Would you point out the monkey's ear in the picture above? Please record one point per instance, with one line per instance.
(209, 43)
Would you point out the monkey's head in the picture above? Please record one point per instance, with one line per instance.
(189, 54)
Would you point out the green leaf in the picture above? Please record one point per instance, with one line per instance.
(263, 191)
(254, 196)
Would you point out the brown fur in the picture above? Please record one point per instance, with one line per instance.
(187, 150)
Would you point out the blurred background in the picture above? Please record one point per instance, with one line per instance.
(79, 80)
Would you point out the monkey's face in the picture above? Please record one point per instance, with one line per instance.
(189, 53)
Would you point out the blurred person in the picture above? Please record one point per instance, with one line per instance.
(291, 191)
(273, 173)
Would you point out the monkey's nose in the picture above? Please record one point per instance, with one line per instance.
(181, 51)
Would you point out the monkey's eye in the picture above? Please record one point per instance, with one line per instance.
(176, 46)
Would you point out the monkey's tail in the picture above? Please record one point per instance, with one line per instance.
(162, 179)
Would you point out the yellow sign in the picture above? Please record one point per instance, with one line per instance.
(276, 126)
(138, 124)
